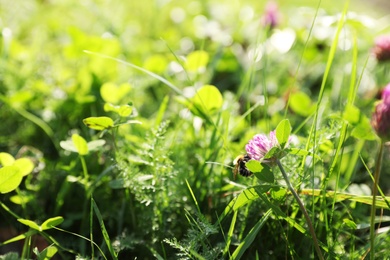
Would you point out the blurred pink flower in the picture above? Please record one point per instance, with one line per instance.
(380, 120)
(386, 94)
(271, 15)
(381, 49)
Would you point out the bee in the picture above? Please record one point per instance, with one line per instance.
(239, 166)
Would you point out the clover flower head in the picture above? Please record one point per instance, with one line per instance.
(260, 145)
(386, 94)
(381, 49)
(380, 120)
(271, 15)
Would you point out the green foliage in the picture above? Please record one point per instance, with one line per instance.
(168, 96)
(123, 111)
(99, 123)
(10, 178)
(207, 100)
(13, 171)
(282, 132)
(104, 230)
(47, 224)
(111, 93)
(196, 245)
(80, 146)
(47, 253)
(301, 104)
(196, 61)
(10, 256)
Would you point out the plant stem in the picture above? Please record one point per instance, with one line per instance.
(303, 209)
(378, 164)
(85, 170)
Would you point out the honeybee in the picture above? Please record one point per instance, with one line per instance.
(239, 166)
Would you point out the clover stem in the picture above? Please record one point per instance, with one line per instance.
(303, 209)
(85, 170)
(378, 164)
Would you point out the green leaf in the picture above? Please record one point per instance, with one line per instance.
(278, 194)
(108, 107)
(80, 144)
(266, 175)
(254, 166)
(21, 199)
(156, 63)
(208, 99)
(99, 123)
(30, 224)
(68, 146)
(94, 145)
(244, 197)
(112, 93)
(6, 159)
(197, 61)
(349, 223)
(10, 178)
(20, 98)
(20, 237)
(282, 132)
(274, 151)
(47, 253)
(25, 165)
(123, 111)
(363, 130)
(301, 104)
(129, 122)
(52, 222)
(352, 114)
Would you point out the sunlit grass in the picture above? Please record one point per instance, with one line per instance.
(132, 114)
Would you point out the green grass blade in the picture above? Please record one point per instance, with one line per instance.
(193, 196)
(74, 234)
(91, 230)
(340, 196)
(33, 118)
(248, 240)
(103, 228)
(241, 200)
(329, 62)
(154, 75)
(352, 85)
(230, 234)
(161, 111)
(20, 237)
(384, 198)
(301, 58)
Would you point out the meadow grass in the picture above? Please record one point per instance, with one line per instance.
(128, 116)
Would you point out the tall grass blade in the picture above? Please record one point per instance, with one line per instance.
(154, 75)
(248, 240)
(340, 196)
(385, 199)
(103, 229)
(301, 58)
(230, 233)
(193, 197)
(331, 56)
(74, 234)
